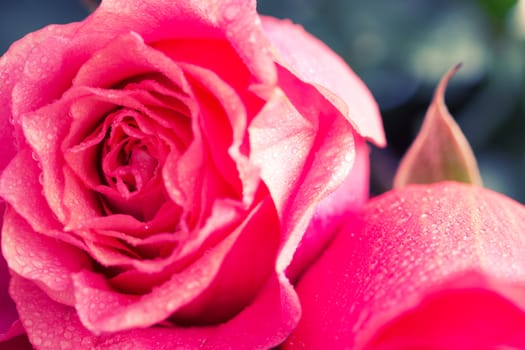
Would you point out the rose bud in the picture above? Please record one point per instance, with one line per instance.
(424, 267)
(439, 265)
(168, 157)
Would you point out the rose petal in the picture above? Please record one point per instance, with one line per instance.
(264, 324)
(14, 328)
(7, 131)
(7, 146)
(50, 66)
(451, 318)
(19, 342)
(195, 53)
(236, 284)
(222, 218)
(20, 187)
(320, 154)
(44, 260)
(332, 211)
(216, 274)
(407, 245)
(222, 117)
(233, 20)
(127, 56)
(50, 325)
(9, 314)
(12, 71)
(315, 63)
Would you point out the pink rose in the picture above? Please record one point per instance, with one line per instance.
(169, 157)
(11, 330)
(437, 266)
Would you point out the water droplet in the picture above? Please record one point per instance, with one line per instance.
(231, 12)
(404, 218)
(64, 344)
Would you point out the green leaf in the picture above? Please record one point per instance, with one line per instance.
(440, 152)
(497, 10)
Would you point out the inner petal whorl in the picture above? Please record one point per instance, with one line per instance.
(130, 157)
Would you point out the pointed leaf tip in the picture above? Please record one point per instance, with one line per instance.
(440, 151)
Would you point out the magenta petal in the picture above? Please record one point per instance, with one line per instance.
(195, 53)
(14, 330)
(192, 292)
(408, 246)
(8, 315)
(223, 119)
(44, 260)
(460, 315)
(51, 64)
(20, 187)
(320, 153)
(19, 342)
(317, 64)
(7, 146)
(50, 325)
(233, 20)
(243, 271)
(126, 56)
(103, 309)
(9, 73)
(262, 325)
(332, 212)
(14, 67)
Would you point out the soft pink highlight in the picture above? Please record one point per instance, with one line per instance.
(437, 266)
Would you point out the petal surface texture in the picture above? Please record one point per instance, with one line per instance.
(438, 266)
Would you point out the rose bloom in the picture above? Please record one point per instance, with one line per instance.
(438, 266)
(161, 162)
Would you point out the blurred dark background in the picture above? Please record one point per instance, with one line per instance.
(400, 49)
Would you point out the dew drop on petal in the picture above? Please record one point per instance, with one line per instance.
(231, 12)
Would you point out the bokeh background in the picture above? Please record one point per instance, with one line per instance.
(400, 49)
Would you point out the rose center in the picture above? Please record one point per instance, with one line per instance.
(135, 169)
(130, 157)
